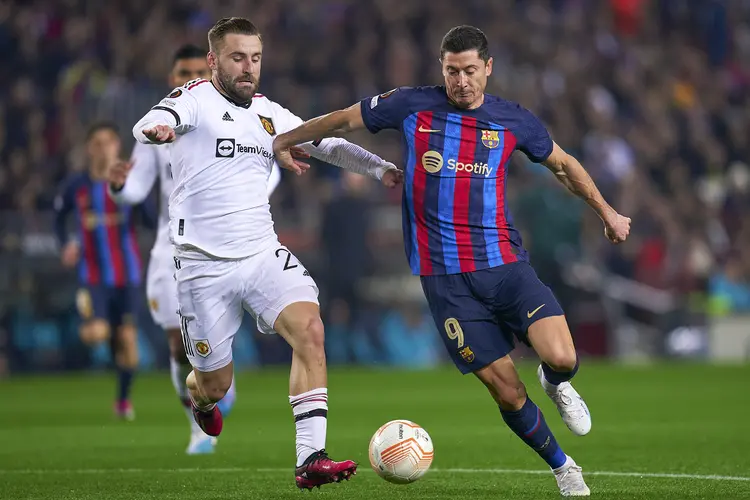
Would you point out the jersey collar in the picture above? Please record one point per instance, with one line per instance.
(238, 104)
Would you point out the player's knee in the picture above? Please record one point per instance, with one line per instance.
(562, 360)
(311, 337)
(94, 332)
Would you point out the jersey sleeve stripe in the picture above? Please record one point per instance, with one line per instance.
(171, 111)
(196, 84)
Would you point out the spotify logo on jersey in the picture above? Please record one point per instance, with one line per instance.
(432, 161)
(224, 148)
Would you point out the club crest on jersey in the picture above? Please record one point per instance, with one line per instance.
(491, 138)
(267, 124)
(175, 93)
(202, 347)
(154, 305)
(467, 354)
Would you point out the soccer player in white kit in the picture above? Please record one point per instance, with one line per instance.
(130, 183)
(227, 254)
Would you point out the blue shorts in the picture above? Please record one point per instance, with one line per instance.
(479, 314)
(118, 306)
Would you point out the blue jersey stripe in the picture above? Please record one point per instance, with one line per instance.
(489, 217)
(451, 147)
(131, 260)
(83, 270)
(409, 222)
(105, 255)
(477, 200)
(433, 192)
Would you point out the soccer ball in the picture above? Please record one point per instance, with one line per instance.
(401, 452)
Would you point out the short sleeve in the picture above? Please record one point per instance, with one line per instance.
(532, 136)
(386, 111)
(284, 118)
(182, 106)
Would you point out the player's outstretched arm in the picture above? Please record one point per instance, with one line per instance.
(344, 154)
(131, 181)
(176, 114)
(64, 204)
(571, 173)
(333, 124)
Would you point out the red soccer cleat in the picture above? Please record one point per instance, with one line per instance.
(318, 470)
(210, 421)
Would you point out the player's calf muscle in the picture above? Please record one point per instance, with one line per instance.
(210, 387)
(504, 384)
(127, 347)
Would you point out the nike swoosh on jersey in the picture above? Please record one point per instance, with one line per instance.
(530, 314)
(427, 130)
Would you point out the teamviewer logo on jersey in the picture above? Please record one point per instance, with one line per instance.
(225, 148)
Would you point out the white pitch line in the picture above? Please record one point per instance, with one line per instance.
(191, 470)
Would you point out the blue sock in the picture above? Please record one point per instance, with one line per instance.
(557, 378)
(528, 424)
(124, 381)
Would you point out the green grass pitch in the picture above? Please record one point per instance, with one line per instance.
(658, 432)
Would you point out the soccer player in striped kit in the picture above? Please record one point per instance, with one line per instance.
(107, 256)
(460, 238)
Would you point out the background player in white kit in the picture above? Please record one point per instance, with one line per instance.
(131, 183)
(228, 256)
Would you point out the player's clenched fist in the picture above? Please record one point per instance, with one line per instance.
(617, 229)
(160, 134)
(117, 173)
(393, 177)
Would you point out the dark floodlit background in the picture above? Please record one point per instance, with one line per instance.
(652, 96)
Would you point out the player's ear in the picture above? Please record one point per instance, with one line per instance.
(211, 58)
(488, 66)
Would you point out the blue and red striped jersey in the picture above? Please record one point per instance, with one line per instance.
(105, 232)
(455, 214)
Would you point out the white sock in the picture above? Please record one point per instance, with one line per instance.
(311, 419)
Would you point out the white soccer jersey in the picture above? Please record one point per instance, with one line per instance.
(151, 161)
(221, 163)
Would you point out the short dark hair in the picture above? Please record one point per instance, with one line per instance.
(101, 125)
(463, 38)
(189, 51)
(230, 25)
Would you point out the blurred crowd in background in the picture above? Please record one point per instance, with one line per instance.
(652, 95)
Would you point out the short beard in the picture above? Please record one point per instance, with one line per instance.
(230, 89)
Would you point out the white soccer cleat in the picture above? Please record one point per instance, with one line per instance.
(569, 479)
(570, 404)
(201, 444)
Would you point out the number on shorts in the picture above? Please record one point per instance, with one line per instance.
(287, 265)
(454, 331)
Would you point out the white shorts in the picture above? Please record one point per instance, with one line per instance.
(212, 295)
(161, 289)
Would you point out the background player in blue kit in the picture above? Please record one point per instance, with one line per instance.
(107, 256)
(460, 237)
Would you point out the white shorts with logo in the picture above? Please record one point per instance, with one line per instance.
(213, 295)
(161, 288)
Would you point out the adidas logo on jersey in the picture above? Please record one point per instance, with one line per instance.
(227, 118)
